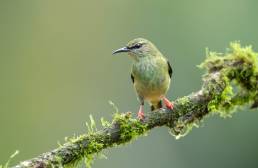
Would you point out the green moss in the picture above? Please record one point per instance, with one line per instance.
(184, 104)
(245, 78)
(230, 81)
(105, 123)
(89, 145)
(92, 148)
(6, 165)
(185, 121)
(129, 128)
(185, 129)
(221, 103)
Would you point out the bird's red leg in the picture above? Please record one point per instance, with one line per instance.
(140, 114)
(168, 104)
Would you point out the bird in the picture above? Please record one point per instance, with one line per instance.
(151, 74)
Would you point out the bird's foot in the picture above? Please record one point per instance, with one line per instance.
(168, 104)
(140, 114)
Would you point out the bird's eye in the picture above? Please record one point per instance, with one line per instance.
(137, 46)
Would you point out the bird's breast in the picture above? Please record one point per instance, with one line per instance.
(149, 74)
(151, 78)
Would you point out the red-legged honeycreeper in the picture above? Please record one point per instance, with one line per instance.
(151, 73)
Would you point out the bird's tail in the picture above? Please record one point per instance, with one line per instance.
(156, 105)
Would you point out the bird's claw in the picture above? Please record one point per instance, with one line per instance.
(168, 104)
(140, 115)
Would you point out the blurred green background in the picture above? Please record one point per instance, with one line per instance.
(56, 69)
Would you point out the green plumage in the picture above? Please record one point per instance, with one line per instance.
(151, 72)
(151, 79)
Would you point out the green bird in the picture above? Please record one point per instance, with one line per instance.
(151, 73)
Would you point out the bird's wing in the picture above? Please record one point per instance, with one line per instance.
(170, 70)
(132, 77)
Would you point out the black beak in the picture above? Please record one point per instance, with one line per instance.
(120, 50)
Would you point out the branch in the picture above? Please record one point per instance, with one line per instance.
(231, 81)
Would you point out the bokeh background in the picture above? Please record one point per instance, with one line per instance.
(56, 69)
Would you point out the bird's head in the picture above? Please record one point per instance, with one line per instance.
(139, 48)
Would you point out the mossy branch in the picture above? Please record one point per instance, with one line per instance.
(231, 81)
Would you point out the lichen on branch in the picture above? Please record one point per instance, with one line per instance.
(231, 81)
(238, 71)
